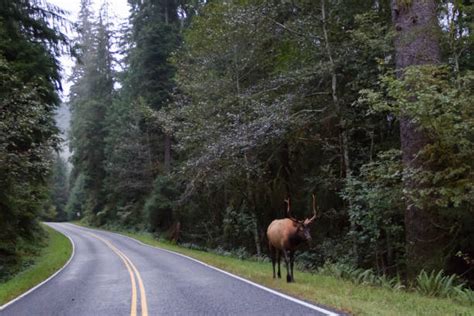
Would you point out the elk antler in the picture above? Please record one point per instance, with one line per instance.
(288, 211)
(287, 201)
(314, 210)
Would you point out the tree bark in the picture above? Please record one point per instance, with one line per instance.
(416, 43)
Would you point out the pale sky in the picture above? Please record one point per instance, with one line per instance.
(118, 11)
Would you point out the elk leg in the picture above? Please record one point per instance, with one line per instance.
(287, 264)
(272, 254)
(278, 259)
(292, 260)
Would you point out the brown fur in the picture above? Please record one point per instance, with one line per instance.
(279, 233)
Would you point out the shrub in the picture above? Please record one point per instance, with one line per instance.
(438, 284)
(160, 204)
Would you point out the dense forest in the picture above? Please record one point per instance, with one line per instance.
(197, 119)
(30, 45)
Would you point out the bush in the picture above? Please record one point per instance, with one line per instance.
(307, 260)
(238, 224)
(375, 201)
(159, 207)
(438, 284)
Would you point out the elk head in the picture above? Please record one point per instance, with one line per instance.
(302, 226)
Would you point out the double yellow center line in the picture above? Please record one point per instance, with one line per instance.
(132, 270)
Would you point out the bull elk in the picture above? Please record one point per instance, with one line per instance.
(285, 236)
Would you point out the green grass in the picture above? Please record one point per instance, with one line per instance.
(51, 258)
(326, 290)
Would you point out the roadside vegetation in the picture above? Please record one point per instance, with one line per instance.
(350, 290)
(39, 265)
(30, 79)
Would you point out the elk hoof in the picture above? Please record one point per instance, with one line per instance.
(279, 275)
(288, 279)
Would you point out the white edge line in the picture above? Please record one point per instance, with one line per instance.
(45, 281)
(295, 300)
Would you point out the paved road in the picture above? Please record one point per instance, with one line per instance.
(111, 274)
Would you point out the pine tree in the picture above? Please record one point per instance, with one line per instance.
(91, 94)
(129, 174)
(29, 80)
(155, 34)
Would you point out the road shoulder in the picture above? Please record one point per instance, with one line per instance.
(52, 260)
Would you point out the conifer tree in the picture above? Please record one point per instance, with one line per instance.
(155, 35)
(91, 94)
(29, 80)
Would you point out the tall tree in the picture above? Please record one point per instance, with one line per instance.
(30, 44)
(90, 96)
(128, 165)
(417, 43)
(155, 35)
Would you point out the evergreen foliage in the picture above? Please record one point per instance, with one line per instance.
(30, 42)
(76, 203)
(91, 95)
(58, 190)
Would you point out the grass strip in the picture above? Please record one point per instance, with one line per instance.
(51, 258)
(326, 290)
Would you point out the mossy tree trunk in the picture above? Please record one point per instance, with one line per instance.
(417, 43)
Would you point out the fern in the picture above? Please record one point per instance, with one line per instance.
(465, 296)
(438, 284)
(394, 283)
(360, 276)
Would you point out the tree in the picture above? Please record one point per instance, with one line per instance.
(30, 44)
(155, 35)
(417, 43)
(91, 94)
(58, 187)
(128, 166)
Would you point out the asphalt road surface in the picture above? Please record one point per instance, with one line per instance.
(111, 274)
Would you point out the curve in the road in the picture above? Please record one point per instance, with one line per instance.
(107, 267)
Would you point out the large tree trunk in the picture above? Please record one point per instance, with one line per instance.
(416, 43)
